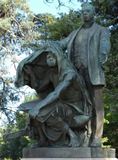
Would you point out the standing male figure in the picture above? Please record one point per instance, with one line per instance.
(88, 48)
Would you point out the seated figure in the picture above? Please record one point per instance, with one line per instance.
(61, 114)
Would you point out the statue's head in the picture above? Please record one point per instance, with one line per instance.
(54, 53)
(51, 60)
(88, 12)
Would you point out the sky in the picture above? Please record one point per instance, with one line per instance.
(39, 6)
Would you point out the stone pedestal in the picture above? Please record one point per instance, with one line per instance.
(79, 152)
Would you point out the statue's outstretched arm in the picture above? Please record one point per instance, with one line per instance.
(53, 95)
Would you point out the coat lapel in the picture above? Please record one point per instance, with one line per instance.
(92, 30)
(70, 45)
(72, 38)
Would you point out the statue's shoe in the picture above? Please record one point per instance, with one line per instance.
(96, 142)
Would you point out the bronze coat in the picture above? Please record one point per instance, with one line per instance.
(98, 47)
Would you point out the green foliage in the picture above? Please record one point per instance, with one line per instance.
(41, 22)
(12, 149)
(111, 115)
(63, 25)
(21, 120)
(112, 64)
(8, 13)
(50, 27)
(31, 98)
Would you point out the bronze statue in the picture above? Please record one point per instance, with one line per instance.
(60, 116)
(69, 111)
(88, 48)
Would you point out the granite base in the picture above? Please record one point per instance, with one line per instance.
(79, 152)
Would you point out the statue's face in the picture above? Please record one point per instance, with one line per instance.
(87, 14)
(51, 60)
